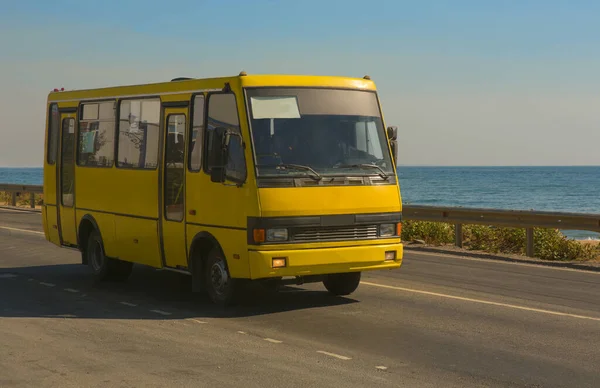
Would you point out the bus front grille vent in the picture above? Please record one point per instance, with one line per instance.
(335, 233)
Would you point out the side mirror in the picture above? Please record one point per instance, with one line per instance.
(219, 154)
(392, 133)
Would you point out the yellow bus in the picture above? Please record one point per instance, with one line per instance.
(272, 178)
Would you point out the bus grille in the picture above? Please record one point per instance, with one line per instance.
(335, 233)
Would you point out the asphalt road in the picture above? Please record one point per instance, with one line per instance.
(438, 321)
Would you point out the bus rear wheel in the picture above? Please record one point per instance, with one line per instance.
(222, 289)
(341, 284)
(105, 268)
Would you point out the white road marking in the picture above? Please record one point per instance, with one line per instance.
(500, 261)
(71, 290)
(473, 300)
(381, 367)
(197, 321)
(160, 312)
(23, 210)
(274, 341)
(47, 284)
(128, 304)
(241, 332)
(3, 209)
(7, 275)
(21, 230)
(334, 355)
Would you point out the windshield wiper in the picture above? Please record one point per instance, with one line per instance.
(316, 176)
(382, 172)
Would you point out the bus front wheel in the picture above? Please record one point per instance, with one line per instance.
(341, 284)
(222, 289)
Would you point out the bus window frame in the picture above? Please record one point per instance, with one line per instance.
(118, 125)
(61, 169)
(56, 137)
(164, 165)
(78, 136)
(191, 130)
(204, 166)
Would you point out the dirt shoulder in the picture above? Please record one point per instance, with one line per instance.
(589, 265)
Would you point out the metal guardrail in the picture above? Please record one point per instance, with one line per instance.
(17, 189)
(505, 218)
(458, 216)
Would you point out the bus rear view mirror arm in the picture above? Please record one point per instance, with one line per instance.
(392, 133)
(219, 155)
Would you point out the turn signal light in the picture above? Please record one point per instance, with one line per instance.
(399, 229)
(279, 262)
(259, 235)
(390, 255)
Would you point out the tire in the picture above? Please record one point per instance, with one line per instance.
(341, 284)
(105, 268)
(220, 287)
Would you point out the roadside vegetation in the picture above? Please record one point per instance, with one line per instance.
(550, 244)
(22, 199)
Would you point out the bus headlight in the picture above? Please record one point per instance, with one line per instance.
(387, 230)
(280, 234)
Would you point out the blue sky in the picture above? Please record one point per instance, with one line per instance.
(466, 82)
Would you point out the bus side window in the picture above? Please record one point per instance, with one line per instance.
(97, 134)
(53, 124)
(139, 133)
(174, 167)
(222, 112)
(196, 136)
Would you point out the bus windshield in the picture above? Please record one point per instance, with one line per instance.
(317, 132)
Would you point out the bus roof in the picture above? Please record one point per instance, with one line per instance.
(193, 85)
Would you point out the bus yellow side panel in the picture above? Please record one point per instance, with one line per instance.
(50, 184)
(45, 223)
(50, 220)
(137, 240)
(225, 206)
(120, 191)
(233, 243)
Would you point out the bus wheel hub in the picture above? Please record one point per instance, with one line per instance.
(219, 277)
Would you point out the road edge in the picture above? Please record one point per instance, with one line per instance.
(22, 209)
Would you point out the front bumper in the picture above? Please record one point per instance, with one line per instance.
(322, 261)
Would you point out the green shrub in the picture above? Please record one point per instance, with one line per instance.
(5, 198)
(22, 199)
(433, 233)
(550, 244)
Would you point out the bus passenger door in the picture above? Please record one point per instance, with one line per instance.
(173, 190)
(66, 180)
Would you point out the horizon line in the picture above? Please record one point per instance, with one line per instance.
(428, 165)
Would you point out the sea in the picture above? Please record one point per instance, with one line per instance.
(568, 189)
